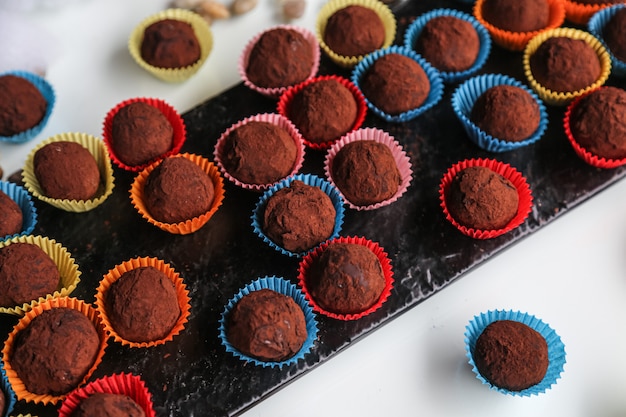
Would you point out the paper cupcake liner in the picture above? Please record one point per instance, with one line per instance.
(436, 83)
(123, 383)
(312, 180)
(508, 172)
(188, 226)
(19, 194)
(275, 92)
(464, 98)
(7, 391)
(69, 274)
(563, 98)
(114, 274)
(517, 41)
(47, 91)
(312, 257)
(62, 302)
(201, 29)
(556, 348)
(403, 162)
(286, 99)
(275, 119)
(580, 13)
(596, 25)
(332, 6)
(281, 286)
(415, 29)
(178, 138)
(96, 148)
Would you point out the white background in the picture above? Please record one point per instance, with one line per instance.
(571, 273)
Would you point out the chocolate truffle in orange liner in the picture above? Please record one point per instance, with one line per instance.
(143, 302)
(484, 192)
(190, 190)
(59, 336)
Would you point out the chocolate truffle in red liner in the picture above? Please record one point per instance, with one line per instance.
(12, 217)
(518, 15)
(170, 43)
(108, 405)
(22, 106)
(354, 30)
(615, 34)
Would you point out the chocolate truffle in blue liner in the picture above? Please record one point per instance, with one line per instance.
(23, 199)
(308, 179)
(281, 286)
(414, 31)
(469, 91)
(9, 395)
(556, 348)
(46, 90)
(434, 77)
(596, 26)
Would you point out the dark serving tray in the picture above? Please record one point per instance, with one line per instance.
(193, 374)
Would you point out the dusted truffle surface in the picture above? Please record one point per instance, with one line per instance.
(259, 153)
(280, 58)
(347, 278)
(55, 351)
(108, 405)
(140, 133)
(2, 402)
(66, 170)
(482, 199)
(12, 218)
(615, 33)
(518, 15)
(598, 122)
(26, 273)
(299, 217)
(178, 190)
(507, 113)
(22, 106)
(448, 43)
(511, 355)
(395, 83)
(564, 64)
(142, 305)
(170, 43)
(323, 111)
(267, 325)
(354, 30)
(366, 172)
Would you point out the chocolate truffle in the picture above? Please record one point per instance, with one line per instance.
(518, 15)
(55, 351)
(598, 122)
(66, 170)
(259, 153)
(511, 355)
(12, 217)
(448, 43)
(267, 325)
(614, 34)
(323, 111)
(354, 30)
(170, 43)
(299, 217)
(395, 84)
(280, 58)
(564, 64)
(142, 305)
(482, 199)
(2, 402)
(507, 113)
(108, 405)
(178, 190)
(22, 106)
(347, 278)
(365, 172)
(140, 133)
(26, 273)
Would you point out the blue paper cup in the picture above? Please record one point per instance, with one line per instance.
(434, 77)
(46, 90)
(9, 394)
(312, 180)
(23, 199)
(467, 93)
(596, 27)
(414, 31)
(281, 286)
(556, 348)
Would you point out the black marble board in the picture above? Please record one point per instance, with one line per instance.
(193, 375)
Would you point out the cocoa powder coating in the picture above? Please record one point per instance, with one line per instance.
(615, 34)
(108, 405)
(354, 30)
(518, 15)
(12, 217)
(22, 106)
(170, 43)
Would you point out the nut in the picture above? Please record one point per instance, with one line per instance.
(243, 6)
